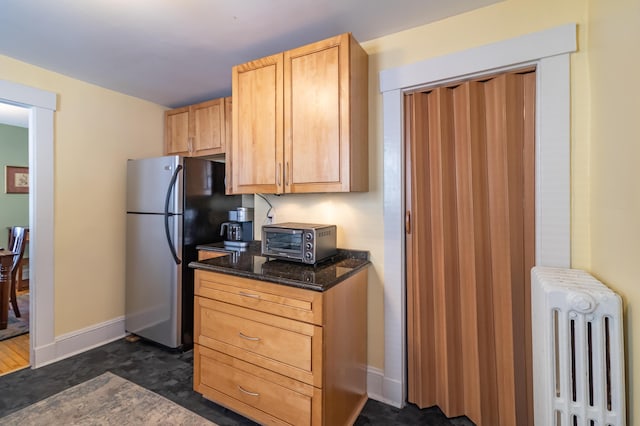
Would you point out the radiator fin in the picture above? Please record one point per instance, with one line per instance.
(578, 352)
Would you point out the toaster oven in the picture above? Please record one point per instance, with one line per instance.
(299, 242)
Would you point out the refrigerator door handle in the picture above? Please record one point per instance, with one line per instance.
(167, 214)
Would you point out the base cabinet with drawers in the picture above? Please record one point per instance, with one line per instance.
(282, 355)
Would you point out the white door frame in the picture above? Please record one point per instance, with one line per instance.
(41, 105)
(549, 51)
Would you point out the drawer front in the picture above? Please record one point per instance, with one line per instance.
(288, 347)
(285, 346)
(281, 300)
(253, 392)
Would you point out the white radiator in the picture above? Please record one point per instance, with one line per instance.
(578, 350)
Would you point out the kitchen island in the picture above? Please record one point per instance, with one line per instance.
(282, 342)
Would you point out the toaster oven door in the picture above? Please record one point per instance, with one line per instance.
(287, 242)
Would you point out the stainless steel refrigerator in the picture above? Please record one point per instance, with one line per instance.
(173, 204)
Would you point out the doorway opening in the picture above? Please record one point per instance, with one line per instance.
(470, 246)
(41, 106)
(549, 52)
(14, 237)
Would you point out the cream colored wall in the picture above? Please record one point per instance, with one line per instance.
(359, 216)
(96, 130)
(614, 66)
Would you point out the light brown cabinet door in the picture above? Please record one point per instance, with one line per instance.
(325, 117)
(208, 127)
(316, 149)
(177, 131)
(325, 113)
(256, 151)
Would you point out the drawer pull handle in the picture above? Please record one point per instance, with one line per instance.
(247, 392)
(253, 296)
(244, 336)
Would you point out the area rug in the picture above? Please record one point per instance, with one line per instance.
(105, 400)
(17, 326)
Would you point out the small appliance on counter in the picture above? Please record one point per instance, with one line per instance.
(299, 242)
(238, 231)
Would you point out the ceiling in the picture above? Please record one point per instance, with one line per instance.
(176, 53)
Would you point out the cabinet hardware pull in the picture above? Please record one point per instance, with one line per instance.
(253, 339)
(247, 392)
(407, 222)
(286, 175)
(253, 296)
(278, 180)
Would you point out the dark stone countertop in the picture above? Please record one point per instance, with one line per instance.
(249, 263)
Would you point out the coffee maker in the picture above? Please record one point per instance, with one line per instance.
(238, 231)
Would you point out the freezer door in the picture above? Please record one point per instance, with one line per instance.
(153, 296)
(149, 180)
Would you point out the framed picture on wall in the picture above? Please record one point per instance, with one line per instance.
(16, 180)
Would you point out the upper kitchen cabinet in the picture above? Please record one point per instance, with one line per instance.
(300, 120)
(196, 130)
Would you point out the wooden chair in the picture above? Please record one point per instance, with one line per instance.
(18, 242)
(22, 284)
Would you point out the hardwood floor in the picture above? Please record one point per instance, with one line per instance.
(14, 354)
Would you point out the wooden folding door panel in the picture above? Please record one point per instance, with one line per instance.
(420, 300)
(505, 162)
(474, 249)
(431, 252)
(470, 246)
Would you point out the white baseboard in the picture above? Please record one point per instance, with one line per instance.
(78, 341)
(384, 389)
(379, 387)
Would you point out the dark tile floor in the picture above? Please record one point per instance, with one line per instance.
(168, 374)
